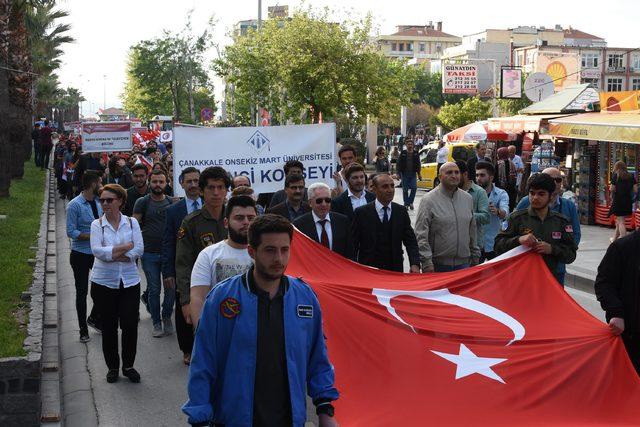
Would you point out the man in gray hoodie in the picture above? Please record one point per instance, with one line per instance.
(445, 227)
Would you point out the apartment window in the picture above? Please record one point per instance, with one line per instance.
(438, 47)
(394, 46)
(614, 84)
(422, 47)
(590, 60)
(635, 84)
(410, 47)
(614, 60)
(635, 62)
(400, 47)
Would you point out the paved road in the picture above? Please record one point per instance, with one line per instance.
(157, 399)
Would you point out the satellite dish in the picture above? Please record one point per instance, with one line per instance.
(538, 86)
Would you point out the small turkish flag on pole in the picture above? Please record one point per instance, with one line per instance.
(501, 344)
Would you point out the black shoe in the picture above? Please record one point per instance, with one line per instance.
(145, 300)
(132, 374)
(84, 336)
(112, 376)
(94, 325)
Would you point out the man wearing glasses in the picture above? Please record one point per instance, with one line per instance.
(330, 229)
(562, 206)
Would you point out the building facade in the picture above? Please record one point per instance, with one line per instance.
(418, 43)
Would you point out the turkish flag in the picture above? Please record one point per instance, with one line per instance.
(498, 344)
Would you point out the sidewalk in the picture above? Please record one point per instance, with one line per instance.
(593, 245)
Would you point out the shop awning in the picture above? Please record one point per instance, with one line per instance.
(478, 131)
(611, 127)
(520, 123)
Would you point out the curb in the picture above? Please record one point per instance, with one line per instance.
(75, 381)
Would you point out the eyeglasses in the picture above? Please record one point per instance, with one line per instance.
(323, 200)
(107, 201)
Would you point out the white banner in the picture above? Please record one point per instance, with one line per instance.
(106, 137)
(259, 153)
(460, 78)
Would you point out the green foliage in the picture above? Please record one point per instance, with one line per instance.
(428, 90)
(17, 233)
(453, 116)
(165, 76)
(511, 107)
(45, 38)
(309, 65)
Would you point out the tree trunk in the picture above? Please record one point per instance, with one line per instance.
(5, 169)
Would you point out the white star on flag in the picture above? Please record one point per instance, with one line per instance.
(468, 363)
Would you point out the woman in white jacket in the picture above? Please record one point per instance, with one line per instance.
(116, 243)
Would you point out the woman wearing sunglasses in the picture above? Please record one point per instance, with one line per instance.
(116, 243)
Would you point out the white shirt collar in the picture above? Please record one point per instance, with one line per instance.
(106, 223)
(379, 207)
(316, 218)
(350, 194)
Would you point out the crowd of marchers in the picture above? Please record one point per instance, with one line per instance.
(218, 257)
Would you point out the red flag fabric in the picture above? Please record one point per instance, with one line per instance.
(495, 345)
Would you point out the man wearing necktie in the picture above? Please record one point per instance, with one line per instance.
(330, 229)
(381, 227)
(188, 180)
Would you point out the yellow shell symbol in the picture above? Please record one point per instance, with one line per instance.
(558, 73)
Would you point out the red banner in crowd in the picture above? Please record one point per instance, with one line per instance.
(499, 344)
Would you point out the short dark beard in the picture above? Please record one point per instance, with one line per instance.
(157, 190)
(236, 237)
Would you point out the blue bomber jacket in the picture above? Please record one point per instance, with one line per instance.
(223, 364)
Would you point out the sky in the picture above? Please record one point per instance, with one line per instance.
(104, 31)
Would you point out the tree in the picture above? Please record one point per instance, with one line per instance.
(428, 90)
(308, 66)
(165, 76)
(470, 110)
(30, 46)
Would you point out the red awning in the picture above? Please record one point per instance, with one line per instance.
(479, 131)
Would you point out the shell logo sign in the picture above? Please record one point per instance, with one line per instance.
(558, 73)
(563, 68)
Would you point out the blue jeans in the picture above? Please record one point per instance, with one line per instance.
(441, 268)
(152, 266)
(409, 188)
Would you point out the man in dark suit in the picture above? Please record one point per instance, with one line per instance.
(188, 179)
(327, 228)
(355, 195)
(481, 154)
(294, 207)
(616, 288)
(380, 228)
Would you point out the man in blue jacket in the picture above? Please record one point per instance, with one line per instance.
(259, 346)
(560, 205)
(188, 179)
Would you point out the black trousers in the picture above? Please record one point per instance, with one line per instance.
(45, 153)
(118, 306)
(81, 264)
(184, 331)
(632, 344)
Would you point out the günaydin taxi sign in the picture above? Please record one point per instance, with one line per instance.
(460, 79)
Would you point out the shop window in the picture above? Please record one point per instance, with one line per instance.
(614, 84)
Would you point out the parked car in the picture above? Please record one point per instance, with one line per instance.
(457, 151)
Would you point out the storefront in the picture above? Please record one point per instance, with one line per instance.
(599, 140)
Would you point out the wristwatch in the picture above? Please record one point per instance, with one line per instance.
(327, 409)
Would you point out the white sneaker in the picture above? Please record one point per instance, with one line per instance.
(157, 331)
